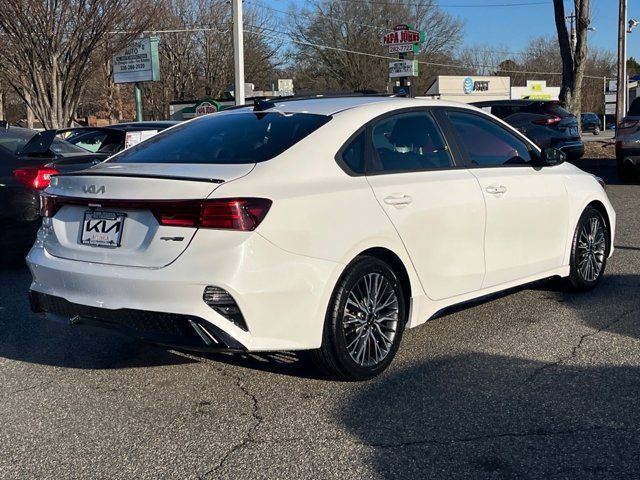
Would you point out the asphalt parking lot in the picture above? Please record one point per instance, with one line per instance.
(538, 383)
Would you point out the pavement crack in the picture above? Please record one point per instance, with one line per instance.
(248, 437)
(31, 387)
(578, 345)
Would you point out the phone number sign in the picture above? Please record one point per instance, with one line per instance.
(137, 63)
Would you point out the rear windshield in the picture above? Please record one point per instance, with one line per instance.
(13, 139)
(550, 108)
(246, 137)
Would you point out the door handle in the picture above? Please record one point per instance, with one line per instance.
(398, 200)
(496, 189)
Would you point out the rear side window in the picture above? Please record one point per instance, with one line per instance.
(353, 154)
(486, 143)
(246, 137)
(408, 142)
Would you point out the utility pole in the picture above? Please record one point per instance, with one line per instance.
(238, 51)
(137, 90)
(621, 88)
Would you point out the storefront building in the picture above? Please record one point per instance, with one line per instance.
(470, 88)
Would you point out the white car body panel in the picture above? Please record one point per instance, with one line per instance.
(283, 274)
(526, 225)
(442, 227)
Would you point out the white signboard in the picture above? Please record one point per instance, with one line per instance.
(610, 98)
(400, 48)
(610, 109)
(134, 138)
(403, 68)
(136, 63)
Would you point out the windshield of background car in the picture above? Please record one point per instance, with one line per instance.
(90, 140)
(249, 137)
(61, 147)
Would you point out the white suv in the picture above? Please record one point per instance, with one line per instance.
(322, 224)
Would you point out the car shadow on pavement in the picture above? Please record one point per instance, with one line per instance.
(26, 337)
(480, 415)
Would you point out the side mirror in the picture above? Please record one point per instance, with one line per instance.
(550, 157)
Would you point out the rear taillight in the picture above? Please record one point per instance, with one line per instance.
(225, 213)
(37, 178)
(548, 121)
(222, 213)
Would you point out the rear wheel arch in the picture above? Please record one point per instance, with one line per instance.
(396, 264)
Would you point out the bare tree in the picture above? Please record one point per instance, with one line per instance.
(572, 52)
(48, 46)
(339, 42)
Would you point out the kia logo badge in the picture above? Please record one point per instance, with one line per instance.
(94, 189)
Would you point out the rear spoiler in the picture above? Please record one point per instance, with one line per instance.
(88, 172)
(39, 144)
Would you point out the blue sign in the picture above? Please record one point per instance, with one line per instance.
(468, 85)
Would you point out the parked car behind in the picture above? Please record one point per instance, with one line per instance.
(628, 144)
(113, 138)
(590, 123)
(24, 170)
(543, 121)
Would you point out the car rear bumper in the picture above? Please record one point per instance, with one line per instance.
(173, 330)
(282, 296)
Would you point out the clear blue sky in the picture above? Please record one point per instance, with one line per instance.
(512, 27)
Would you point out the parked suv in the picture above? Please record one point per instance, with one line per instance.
(628, 143)
(545, 122)
(590, 123)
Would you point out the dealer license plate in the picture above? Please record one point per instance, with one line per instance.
(102, 229)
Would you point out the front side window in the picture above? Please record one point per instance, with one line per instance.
(486, 143)
(409, 142)
(225, 138)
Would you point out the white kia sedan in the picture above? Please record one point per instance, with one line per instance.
(327, 224)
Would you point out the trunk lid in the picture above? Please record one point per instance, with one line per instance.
(106, 214)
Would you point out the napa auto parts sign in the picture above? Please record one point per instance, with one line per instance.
(402, 35)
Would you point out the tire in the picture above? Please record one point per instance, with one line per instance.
(589, 250)
(627, 173)
(596, 131)
(353, 345)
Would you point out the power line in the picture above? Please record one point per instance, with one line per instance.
(280, 36)
(388, 57)
(377, 27)
(462, 5)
